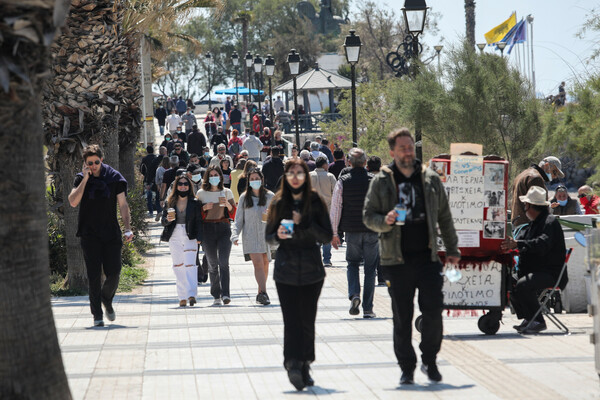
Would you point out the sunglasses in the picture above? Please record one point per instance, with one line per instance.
(183, 183)
(90, 163)
(299, 175)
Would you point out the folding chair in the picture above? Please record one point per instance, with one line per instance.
(546, 298)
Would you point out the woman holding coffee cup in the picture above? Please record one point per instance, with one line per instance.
(182, 221)
(218, 206)
(299, 271)
(253, 205)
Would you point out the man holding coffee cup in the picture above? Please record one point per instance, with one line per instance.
(99, 188)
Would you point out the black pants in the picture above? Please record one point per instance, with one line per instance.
(404, 279)
(217, 247)
(525, 293)
(299, 309)
(102, 254)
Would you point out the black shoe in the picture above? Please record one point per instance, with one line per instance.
(432, 372)
(204, 278)
(522, 325)
(294, 369)
(355, 302)
(408, 377)
(535, 327)
(267, 301)
(98, 322)
(110, 312)
(306, 378)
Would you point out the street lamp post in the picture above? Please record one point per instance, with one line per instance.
(249, 60)
(501, 46)
(481, 46)
(235, 59)
(270, 70)
(415, 13)
(438, 50)
(209, 61)
(258, 63)
(352, 46)
(293, 60)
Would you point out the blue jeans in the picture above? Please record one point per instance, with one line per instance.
(149, 196)
(327, 253)
(362, 245)
(238, 127)
(161, 128)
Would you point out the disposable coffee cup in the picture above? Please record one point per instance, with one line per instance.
(288, 224)
(400, 214)
(171, 212)
(222, 199)
(453, 275)
(265, 215)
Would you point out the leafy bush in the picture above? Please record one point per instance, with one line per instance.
(57, 245)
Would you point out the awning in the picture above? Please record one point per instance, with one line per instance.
(317, 79)
(240, 90)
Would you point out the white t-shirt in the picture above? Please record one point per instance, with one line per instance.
(173, 122)
(213, 197)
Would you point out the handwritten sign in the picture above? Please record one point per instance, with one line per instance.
(465, 191)
(480, 285)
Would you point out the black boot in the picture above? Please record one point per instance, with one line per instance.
(294, 369)
(306, 378)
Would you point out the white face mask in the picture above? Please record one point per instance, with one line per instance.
(196, 178)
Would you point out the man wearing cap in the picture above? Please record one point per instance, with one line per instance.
(221, 155)
(542, 254)
(536, 175)
(563, 204)
(589, 200)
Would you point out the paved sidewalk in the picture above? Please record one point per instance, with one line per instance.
(156, 350)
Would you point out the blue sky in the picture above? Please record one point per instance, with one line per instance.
(558, 54)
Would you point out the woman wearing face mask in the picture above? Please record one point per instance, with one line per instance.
(249, 218)
(225, 168)
(168, 142)
(218, 207)
(183, 231)
(299, 271)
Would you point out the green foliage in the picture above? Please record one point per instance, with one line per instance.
(57, 245)
(575, 131)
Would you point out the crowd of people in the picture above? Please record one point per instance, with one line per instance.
(294, 208)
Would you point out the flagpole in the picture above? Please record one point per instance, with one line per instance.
(530, 21)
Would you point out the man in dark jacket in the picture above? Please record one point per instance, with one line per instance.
(338, 164)
(161, 116)
(181, 106)
(563, 204)
(273, 170)
(542, 255)
(361, 242)
(409, 251)
(196, 141)
(235, 118)
(149, 174)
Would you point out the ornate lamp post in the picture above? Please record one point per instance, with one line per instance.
(481, 46)
(209, 62)
(235, 59)
(258, 63)
(352, 46)
(438, 50)
(501, 46)
(293, 60)
(270, 70)
(249, 60)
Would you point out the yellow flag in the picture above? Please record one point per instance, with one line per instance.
(496, 34)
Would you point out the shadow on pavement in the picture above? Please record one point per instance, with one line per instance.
(312, 390)
(432, 387)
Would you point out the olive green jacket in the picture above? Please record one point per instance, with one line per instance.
(382, 197)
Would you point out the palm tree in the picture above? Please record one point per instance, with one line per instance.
(470, 22)
(31, 362)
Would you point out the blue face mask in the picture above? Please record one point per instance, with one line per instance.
(196, 178)
(549, 176)
(255, 184)
(563, 202)
(214, 180)
(207, 154)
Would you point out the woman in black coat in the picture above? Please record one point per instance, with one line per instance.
(299, 271)
(183, 231)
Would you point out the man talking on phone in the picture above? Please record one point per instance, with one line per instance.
(98, 188)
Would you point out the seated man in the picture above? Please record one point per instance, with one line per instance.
(588, 199)
(542, 254)
(563, 204)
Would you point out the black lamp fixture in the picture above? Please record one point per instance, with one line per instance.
(501, 46)
(352, 46)
(235, 59)
(293, 60)
(270, 70)
(415, 12)
(249, 60)
(258, 63)
(208, 58)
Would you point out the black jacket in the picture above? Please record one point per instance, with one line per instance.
(298, 260)
(542, 246)
(272, 170)
(193, 221)
(196, 143)
(146, 168)
(355, 186)
(161, 115)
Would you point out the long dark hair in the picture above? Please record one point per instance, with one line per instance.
(172, 199)
(283, 199)
(262, 192)
(206, 184)
(250, 164)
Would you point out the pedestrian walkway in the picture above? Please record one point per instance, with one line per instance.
(157, 350)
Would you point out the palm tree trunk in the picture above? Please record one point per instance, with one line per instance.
(470, 22)
(127, 164)
(31, 364)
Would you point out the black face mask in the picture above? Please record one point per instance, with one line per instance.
(297, 191)
(183, 194)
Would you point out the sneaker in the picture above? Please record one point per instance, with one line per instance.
(110, 312)
(327, 264)
(521, 325)
(263, 298)
(157, 218)
(182, 303)
(192, 301)
(369, 314)
(432, 372)
(217, 302)
(535, 327)
(355, 302)
(408, 377)
(98, 322)
(204, 278)
(267, 300)
(226, 300)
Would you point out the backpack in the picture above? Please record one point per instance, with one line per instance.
(235, 149)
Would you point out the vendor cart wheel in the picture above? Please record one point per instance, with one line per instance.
(557, 304)
(489, 324)
(419, 323)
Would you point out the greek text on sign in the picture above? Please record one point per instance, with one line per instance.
(465, 191)
(480, 286)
